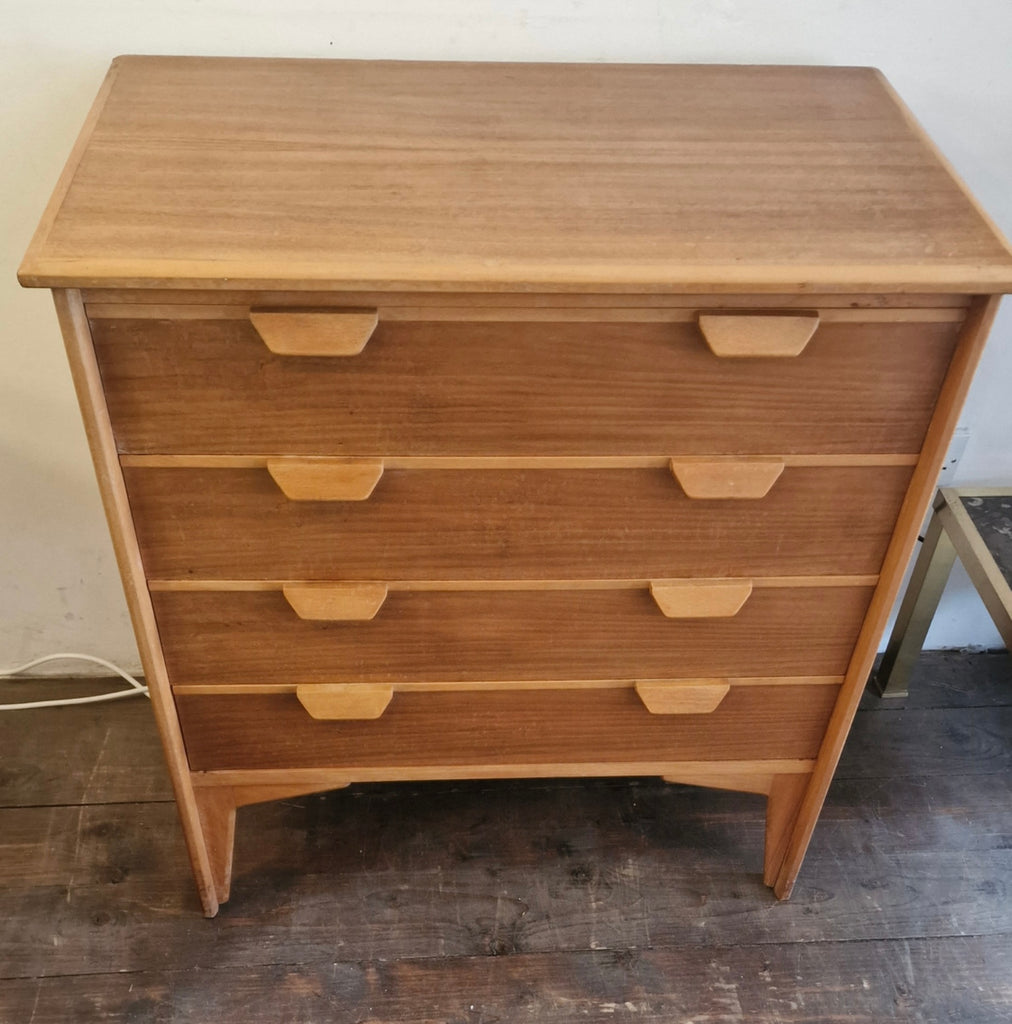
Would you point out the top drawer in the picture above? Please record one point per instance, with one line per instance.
(519, 382)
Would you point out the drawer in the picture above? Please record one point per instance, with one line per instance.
(535, 388)
(514, 524)
(527, 729)
(222, 637)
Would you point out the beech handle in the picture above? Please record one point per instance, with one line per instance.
(727, 478)
(682, 696)
(335, 602)
(329, 333)
(344, 701)
(743, 334)
(701, 599)
(326, 479)
(362, 701)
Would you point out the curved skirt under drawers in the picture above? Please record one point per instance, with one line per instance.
(254, 637)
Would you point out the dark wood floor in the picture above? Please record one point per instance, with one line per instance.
(539, 901)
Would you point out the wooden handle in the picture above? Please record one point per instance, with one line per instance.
(344, 701)
(326, 479)
(733, 334)
(682, 696)
(337, 333)
(335, 602)
(701, 599)
(732, 478)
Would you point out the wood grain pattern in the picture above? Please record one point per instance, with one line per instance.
(517, 524)
(929, 847)
(507, 308)
(701, 599)
(909, 859)
(333, 701)
(335, 602)
(560, 337)
(753, 776)
(325, 479)
(443, 636)
(757, 178)
(949, 978)
(727, 479)
(98, 428)
(547, 727)
(69, 172)
(299, 333)
(944, 303)
(782, 806)
(216, 808)
(472, 389)
(682, 696)
(476, 586)
(119, 755)
(962, 747)
(252, 461)
(437, 686)
(943, 422)
(754, 337)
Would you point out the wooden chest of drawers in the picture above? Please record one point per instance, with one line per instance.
(510, 420)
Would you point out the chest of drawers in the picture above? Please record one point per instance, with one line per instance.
(492, 421)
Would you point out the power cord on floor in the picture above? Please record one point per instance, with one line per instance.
(136, 687)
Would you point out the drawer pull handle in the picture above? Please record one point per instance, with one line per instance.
(749, 478)
(701, 599)
(344, 701)
(732, 335)
(335, 602)
(682, 696)
(326, 479)
(314, 334)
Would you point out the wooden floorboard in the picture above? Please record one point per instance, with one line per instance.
(957, 980)
(106, 753)
(537, 900)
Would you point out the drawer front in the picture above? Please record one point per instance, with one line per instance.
(519, 388)
(255, 637)
(503, 728)
(494, 524)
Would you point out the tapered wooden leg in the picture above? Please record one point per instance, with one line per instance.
(782, 806)
(784, 790)
(216, 807)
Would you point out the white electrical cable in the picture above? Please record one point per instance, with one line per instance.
(136, 687)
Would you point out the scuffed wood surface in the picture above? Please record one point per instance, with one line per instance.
(959, 979)
(992, 516)
(554, 900)
(78, 755)
(387, 172)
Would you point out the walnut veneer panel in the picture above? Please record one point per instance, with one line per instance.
(516, 524)
(504, 727)
(255, 637)
(225, 173)
(518, 388)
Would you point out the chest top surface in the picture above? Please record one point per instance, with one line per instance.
(220, 173)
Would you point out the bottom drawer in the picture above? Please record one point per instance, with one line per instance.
(486, 730)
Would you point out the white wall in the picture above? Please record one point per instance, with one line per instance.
(58, 582)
